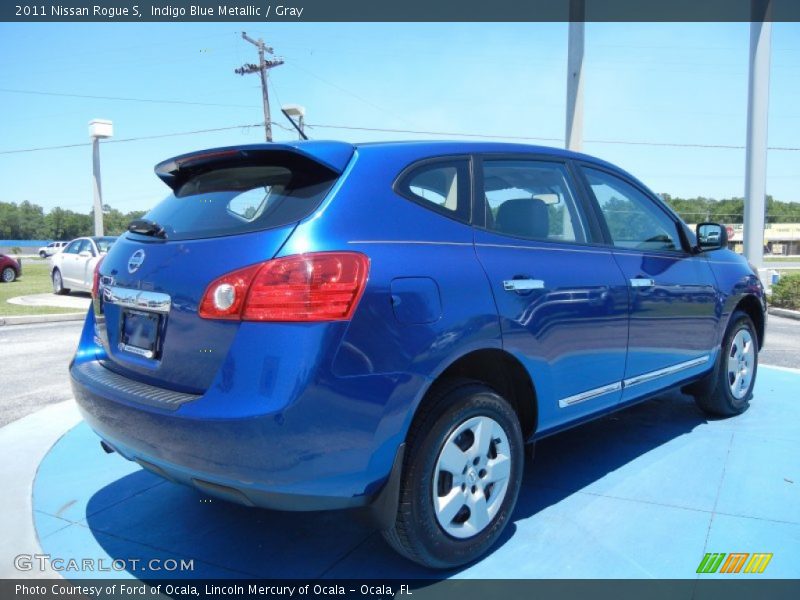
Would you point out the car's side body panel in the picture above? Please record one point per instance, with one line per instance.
(673, 323)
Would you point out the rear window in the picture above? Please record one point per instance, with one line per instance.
(104, 244)
(238, 199)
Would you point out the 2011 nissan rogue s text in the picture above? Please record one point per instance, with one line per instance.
(320, 325)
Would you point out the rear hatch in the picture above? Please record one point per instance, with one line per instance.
(230, 208)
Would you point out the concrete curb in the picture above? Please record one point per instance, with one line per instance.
(27, 319)
(24, 444)
(784, 312)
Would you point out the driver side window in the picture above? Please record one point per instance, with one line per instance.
(633, 220)
(73, 247)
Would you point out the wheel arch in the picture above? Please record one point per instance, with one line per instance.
(502, 372)
(751, 306)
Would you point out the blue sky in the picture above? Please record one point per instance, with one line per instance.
(675, 83)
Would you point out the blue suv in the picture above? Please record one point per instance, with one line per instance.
(320, 325)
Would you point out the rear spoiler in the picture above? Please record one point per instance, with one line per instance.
(333, 156)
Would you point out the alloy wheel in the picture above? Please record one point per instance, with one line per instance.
(471, 477)
(741, 362)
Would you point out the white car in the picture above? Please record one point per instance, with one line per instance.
(52, 248)
(73, 267)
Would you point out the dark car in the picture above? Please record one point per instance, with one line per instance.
(321, 325)
(10, 268)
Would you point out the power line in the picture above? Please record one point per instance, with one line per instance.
(143, 137)
(336, 86)
(408, 131)
(422, 132)
(544, 139)
(123, 99)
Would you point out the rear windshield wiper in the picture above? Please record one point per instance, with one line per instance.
(147, 227)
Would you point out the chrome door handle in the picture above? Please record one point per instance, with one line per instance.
(518, 285)
(642, 282)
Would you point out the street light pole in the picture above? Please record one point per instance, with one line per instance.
(755, 186)
(98, 129)
(292, 111)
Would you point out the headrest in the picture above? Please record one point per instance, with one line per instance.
(524, 217)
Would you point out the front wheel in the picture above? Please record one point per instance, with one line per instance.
(9, 275)
(461, 477)
(728, 389)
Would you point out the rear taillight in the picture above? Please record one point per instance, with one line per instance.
(320, 286)
(96, 278)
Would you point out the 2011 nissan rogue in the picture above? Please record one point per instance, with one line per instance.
(320, 325)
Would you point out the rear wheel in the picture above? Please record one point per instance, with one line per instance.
(9, 275)
(727, 390)
(461, 477)
(58, 283)
(42, 254)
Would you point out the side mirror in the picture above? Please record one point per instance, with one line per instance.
(711, 236)
(85, 254)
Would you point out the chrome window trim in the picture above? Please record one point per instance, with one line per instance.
(632, 381)
(423, 242)
(138, 299)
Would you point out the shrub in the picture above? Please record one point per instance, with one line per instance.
(16, 250)
(786, 293)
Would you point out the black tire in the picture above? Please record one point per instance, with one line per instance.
(713, 393)
(417, 533)
(58, 283)
(42, 254)
(8, 275)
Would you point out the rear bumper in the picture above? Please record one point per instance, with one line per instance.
(286, 460)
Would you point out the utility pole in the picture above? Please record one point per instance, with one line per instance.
(574, 133)
(262, 67)
(755, 186)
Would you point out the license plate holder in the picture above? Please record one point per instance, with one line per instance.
(140, 333)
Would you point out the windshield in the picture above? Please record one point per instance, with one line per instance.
(241, 199)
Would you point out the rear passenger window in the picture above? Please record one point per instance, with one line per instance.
(442, 186)
(532, 200)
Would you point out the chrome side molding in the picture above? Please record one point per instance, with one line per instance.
(139, 299)
(631, 381)
(589, 394)
(644, 377)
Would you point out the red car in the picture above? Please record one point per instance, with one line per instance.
(10, 269)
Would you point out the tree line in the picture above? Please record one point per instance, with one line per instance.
(730, 210)
(28, 221)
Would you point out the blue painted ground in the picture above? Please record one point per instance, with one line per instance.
(643, 493)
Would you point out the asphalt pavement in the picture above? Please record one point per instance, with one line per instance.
(33, 366)
(34, 359)
(782, 348)
(782, 265)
